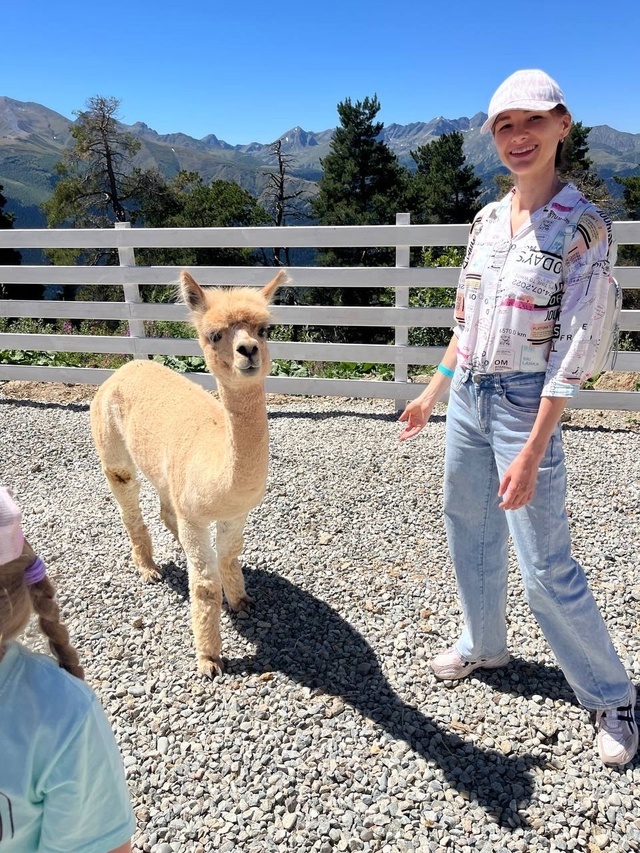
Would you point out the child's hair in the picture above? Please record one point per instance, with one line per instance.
(18, 600)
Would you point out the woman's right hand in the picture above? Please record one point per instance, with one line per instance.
(418, 411)
(416, 415)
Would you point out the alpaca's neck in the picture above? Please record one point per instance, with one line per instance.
(243, 404)
(247, 429)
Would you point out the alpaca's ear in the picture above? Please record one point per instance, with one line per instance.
(269, 289)
(192, 293)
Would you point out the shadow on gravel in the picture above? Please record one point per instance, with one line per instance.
(277, 414)
(605, 430)
(534, 678)
(17, 402)
(312, 644)
(309, 642)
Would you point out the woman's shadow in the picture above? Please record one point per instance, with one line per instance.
(314, 646)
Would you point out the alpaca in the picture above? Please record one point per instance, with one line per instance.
(207, 458)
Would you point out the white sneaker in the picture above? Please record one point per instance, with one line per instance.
(618, 732)
(450, 665)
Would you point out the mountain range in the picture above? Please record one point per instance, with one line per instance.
(33, 138)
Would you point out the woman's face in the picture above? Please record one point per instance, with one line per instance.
(527, 141)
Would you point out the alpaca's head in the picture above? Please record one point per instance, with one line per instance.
(232, 325)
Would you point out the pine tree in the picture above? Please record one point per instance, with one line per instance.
(504, 183)
(630, 255)
(7, 256)
(631, 195)
(11, 257)
(362, 182)
(575, 165)
(444, 188)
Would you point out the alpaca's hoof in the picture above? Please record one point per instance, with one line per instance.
(244, 603)
(150, 574)
(210, 667)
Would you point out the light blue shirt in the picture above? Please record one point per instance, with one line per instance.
(62, 785)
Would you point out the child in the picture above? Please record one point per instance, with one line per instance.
(62, 785)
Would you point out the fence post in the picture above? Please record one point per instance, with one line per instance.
(403, 261)
(127, 258)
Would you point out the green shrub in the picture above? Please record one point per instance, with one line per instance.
(183, 363)
(169, 329)
(17, 356)
(280, 367)
(332, 370)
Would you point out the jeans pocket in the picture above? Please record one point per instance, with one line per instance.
(459, 377)
(523, 396)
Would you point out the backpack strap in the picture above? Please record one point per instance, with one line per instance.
(570, 229)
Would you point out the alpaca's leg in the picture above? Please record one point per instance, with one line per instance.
(228, 548)
(168, 516)
(125, 486)
(120, 471)
(205, 590)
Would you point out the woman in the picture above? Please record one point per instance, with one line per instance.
(529, 312)
(62, 784)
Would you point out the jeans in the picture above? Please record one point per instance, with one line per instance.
(489, 418)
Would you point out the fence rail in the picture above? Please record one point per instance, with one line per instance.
(131, 277)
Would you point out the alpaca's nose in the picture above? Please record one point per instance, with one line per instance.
(248, 350)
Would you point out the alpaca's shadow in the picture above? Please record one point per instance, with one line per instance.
(302, 637)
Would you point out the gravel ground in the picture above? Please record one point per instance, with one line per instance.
(328, 731)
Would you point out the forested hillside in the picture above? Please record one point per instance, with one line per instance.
(33, 139)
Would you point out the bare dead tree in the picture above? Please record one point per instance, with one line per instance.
(280, 200)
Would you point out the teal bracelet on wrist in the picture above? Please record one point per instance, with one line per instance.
(445, 371)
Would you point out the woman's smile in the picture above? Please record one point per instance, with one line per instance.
(522, 151)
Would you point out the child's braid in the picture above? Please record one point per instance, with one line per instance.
(45, 606)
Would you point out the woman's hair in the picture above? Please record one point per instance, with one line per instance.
(560, 160)
(19, 600)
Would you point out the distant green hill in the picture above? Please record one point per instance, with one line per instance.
(33, 137)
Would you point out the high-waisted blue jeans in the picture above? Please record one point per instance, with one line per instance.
(489, 418)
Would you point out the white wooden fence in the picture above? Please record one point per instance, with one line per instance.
(400, 316)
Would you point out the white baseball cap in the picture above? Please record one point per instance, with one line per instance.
(530, 89)
(11, 538)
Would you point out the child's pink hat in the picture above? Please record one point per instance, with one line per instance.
(11, 538)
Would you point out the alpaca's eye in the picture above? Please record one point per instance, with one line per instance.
(214, 337)
(263, 332)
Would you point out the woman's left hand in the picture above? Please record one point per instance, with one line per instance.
(518, 485)
(519, 481)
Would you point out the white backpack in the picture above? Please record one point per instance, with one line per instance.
(609, 338)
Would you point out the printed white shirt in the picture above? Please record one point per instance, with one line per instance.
(535, 301)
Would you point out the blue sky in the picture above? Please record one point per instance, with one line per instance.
(249, 71)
